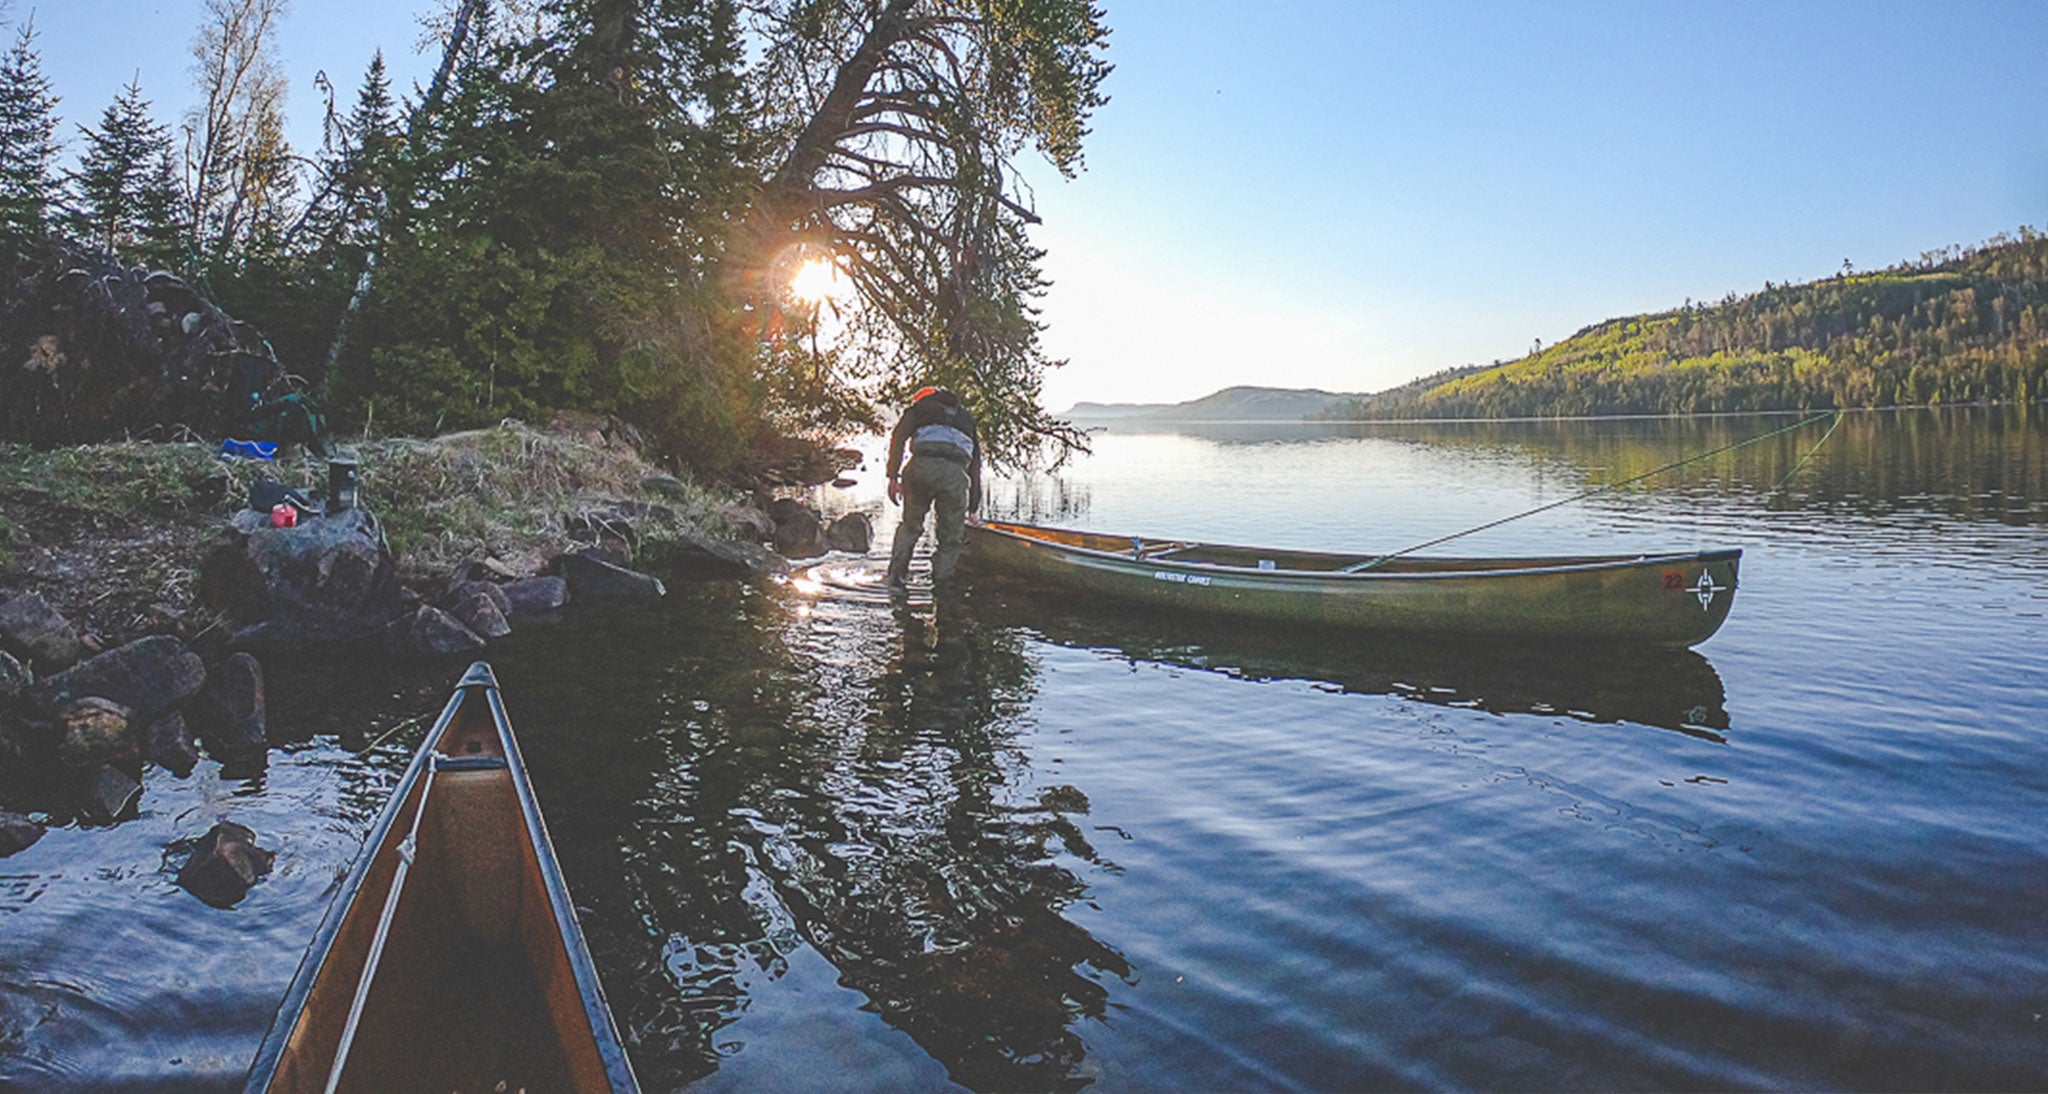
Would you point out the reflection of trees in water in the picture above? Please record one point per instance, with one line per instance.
(848, 782)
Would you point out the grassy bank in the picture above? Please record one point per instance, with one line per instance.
(114, 533)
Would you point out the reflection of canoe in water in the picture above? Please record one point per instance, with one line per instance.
(1668, 688)
(1674, 599)
(478, 974)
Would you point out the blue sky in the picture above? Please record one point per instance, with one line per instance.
(1348, 195)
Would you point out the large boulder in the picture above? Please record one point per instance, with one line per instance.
(232, 712)
(534, 599)
(481, 606)
(95, 731)
(430, 632)
(224, 864)
(17, 833)
(695, 554)
(853, 533)
(168, 743)
(799, 532)
(592, 580)
(148, 676)
(330, 580)
(33, 631)
(749, 522)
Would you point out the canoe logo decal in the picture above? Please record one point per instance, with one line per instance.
(1705, 589)
(1180, 579)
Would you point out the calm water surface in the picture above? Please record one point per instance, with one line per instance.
(819, 844)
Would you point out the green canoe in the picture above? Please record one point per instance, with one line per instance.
(1672, 600)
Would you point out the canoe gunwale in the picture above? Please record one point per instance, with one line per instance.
(1569, 565)
(477, 684)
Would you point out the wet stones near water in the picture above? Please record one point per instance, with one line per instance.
(799, 533)
(110, 794)
(749, 522)
(232, 710)
(34, 632)
(169, 744)
(430, 632)
(147, 676)
(93, 731)
(852, 533)
(592, 579)
(703, 556)
(224, 865)
(534, 599)
(17, 833)
(480, 606)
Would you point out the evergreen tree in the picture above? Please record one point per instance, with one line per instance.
(162, 235)
(355, 172)
(119, 179)
(28, 143)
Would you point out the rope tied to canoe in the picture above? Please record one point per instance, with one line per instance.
(408, 848)
(1360, 567)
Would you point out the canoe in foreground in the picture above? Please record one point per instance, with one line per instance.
(480, 979)
(1674, 599)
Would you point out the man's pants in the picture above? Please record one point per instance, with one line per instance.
(930, 482)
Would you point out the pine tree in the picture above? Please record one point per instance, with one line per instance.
(356, 170)
(28, 144)
(118, 175)
(162, 235)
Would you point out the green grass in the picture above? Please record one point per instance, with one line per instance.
(509, 491)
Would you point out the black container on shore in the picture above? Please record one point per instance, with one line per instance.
(341, 483)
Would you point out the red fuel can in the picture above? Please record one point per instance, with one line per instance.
(284, 515)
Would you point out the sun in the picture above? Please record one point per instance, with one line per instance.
(819, 280)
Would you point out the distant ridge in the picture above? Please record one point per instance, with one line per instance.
(1243, 403)
(1958, 325)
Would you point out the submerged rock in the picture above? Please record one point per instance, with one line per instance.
(35, 632)
(148, 676)
(224, 865)
(110, 794)
(18, 833)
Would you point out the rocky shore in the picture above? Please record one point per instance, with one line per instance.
(143, 599)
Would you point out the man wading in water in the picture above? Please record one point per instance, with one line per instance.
(944, 473)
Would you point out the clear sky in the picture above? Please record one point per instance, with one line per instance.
(1347, 195)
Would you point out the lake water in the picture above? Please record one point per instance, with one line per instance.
(1030, 843)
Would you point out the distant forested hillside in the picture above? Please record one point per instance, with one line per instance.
(1957, 325)
(1232, 404)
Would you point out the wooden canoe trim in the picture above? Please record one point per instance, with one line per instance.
(485, 976)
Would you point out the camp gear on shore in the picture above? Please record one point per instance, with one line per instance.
(1669, 599)
(451, 959)
(341, 483)
(266, 494)
(233, 449)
